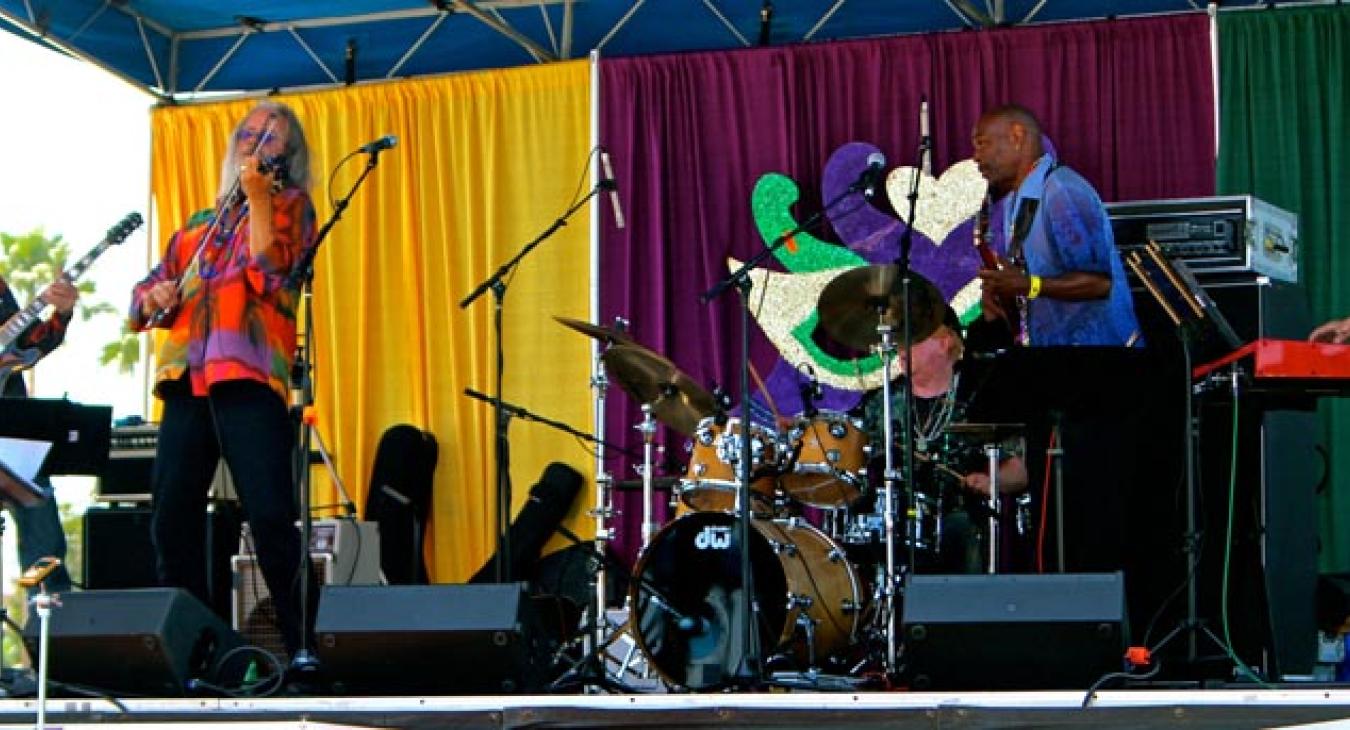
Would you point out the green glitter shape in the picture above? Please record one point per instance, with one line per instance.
(771, 204)
(862, 366)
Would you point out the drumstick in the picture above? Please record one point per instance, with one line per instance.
(939, 465)
(765, 390)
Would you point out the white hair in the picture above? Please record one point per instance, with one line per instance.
(296, 153)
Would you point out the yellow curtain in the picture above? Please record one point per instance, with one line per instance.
(485, 162)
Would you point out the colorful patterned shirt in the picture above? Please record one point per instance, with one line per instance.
(236, 315)
(45, 335)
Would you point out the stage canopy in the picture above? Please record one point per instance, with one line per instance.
(178, 48)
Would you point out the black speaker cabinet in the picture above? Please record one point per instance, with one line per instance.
(118, 552)
(148, 641)
(446, 639)
(984, 632)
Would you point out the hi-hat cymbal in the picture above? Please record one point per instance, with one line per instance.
(605, 334)
(856, 301)
(676, 400)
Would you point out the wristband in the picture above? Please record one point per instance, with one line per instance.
(1034, 287)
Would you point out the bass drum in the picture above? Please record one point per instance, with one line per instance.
(686, 597)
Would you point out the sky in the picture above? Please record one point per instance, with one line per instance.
(77, 161)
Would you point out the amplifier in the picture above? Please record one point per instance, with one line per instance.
(1235, 234)
(342, 552)
(131, 458)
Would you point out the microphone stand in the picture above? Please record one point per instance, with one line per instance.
(497, 284)
(602, 559)
(302, 410)
(902, 278)
(525, 415)
(748, 673)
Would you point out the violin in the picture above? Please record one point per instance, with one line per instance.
(231, 208)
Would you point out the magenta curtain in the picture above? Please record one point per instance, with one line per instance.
(1127, 103)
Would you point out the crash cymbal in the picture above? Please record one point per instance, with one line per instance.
(676, 400)
(854, 303)
(604, 334)
(986, 431)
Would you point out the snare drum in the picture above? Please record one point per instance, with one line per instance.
(830, 467)
(713, 476)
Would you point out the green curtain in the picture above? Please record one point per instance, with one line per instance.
(1284, 106)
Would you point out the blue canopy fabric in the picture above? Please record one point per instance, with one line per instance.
(177, 49)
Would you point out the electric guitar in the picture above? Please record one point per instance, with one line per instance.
(13, 358)
(989, 260)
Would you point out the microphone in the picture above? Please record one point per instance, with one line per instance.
(925, 137)
(613, 187)
(867, 181)
(386, 142)
(810, 391)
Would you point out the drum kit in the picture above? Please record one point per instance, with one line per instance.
(828, 546)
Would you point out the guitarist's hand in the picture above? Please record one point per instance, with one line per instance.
(991, 307)
(163, 295)
(61, 294)
(1008, 281)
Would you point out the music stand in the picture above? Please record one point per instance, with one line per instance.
(20, 462)
(1203, 330)
(80, 434)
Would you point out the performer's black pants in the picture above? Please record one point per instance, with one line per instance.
(247, 423)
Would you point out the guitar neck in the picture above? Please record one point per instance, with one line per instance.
(24, 318)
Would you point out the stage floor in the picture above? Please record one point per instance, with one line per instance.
(1233, 709)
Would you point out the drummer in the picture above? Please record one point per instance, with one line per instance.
(951, 468)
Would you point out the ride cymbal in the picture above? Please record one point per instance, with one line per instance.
(855, 302)
(676, 400)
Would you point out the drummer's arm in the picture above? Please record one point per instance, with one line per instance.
(1012, 477)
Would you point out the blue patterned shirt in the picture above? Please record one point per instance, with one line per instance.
(1071, 232)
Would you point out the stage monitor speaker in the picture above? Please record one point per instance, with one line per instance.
(987, 632)
(148, 641)
(435, 639)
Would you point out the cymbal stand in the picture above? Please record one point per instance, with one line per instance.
(648, 430)
(750, 672)
(890, 480)
(994, 453)
(604, 504)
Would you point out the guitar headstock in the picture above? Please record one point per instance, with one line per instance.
(124, 228)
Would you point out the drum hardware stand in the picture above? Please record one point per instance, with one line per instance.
(302, 392)
(592, 666)
(1056, 452)
(648, 430)
(497, 284)
(994, 453)
(750, 673)
(604, 501)
(891, 480)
